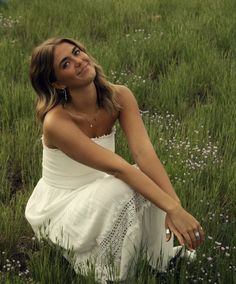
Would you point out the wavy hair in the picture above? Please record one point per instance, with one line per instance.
(42, 75)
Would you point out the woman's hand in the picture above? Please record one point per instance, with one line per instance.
(185, 227)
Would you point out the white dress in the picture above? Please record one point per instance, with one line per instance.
(96, 215)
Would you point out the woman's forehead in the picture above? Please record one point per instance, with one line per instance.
(63, 47)
(62, 50)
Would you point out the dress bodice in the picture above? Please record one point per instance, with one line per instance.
(60, 171)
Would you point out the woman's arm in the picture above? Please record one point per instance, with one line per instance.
(145, 155)
(64, 134)
(150, 164)
(139, 142)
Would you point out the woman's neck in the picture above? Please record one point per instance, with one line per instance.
(83, 100)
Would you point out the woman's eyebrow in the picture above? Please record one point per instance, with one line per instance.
(66, 58)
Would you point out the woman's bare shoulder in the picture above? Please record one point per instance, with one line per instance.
(123, 93)
(54, 117)
(119, 89)
(125, 96)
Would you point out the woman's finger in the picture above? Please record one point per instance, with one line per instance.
(202, 234)
(188, 241)
(195, 237)
(199, 235)
(177, 234)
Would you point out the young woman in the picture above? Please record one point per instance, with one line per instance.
(90, 199)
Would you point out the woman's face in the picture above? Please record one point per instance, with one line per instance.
(73, 68)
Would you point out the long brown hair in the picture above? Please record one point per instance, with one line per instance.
(42, 75)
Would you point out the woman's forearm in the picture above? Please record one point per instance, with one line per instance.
(153, 168)
(141, 183)
(183, 224)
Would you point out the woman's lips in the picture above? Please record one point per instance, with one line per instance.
(83, 68)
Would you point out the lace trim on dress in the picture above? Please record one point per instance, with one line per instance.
(113, 131)
(125, 220)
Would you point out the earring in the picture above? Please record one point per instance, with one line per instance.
(65, 95)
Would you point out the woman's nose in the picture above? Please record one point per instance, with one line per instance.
(77, 61)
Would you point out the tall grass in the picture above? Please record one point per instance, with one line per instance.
(178, 57)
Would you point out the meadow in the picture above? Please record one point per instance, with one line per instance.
(178, 58)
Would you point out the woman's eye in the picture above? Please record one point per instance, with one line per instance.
(65, 65)
(77, 52)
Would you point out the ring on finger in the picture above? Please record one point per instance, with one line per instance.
(197, 235)
(167, 231)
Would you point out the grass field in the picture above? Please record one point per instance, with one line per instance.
(178, 57)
